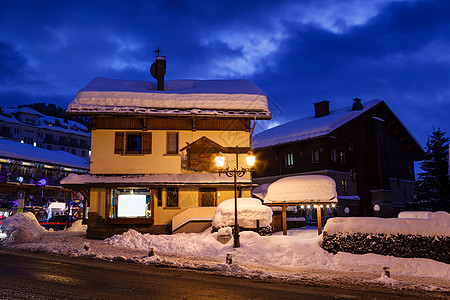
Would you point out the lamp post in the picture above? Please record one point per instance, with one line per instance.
(235, 172)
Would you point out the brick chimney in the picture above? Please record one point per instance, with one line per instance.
(357, 104)
(322, 108)
(158, 70)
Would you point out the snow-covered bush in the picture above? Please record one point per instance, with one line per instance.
(250, 210)
(425, 235)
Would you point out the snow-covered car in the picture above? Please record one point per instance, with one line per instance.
(252, 215)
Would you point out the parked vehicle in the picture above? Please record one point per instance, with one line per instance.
(58, 222)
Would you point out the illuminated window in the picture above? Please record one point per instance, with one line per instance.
(342, 157)
(289, 159)
(130, 203)
(344, 186)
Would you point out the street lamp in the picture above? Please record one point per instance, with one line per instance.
(235, 172)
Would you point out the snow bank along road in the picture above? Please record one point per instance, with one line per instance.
(297, 257)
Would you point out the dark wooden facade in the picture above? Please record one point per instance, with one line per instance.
(170, 123)
(371, 157)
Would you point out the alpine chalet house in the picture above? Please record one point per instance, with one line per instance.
(154, 147)
(365, 148)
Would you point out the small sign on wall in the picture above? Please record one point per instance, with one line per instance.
(20, 201)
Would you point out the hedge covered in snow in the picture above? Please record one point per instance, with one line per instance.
(403, 237)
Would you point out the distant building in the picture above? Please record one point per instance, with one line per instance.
(35, 172)
(26, 125)
(365, 148)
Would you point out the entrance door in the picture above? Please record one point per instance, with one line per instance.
(207, 196)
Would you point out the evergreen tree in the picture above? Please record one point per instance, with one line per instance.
(433, 187)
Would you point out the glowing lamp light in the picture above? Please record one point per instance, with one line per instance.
(20, 179)
(220, 160)
(308, 206)
(333, 205)
(42, 182)
(250, 159)
(302, 206)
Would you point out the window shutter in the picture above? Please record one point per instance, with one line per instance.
(147, 143)
(119, 143)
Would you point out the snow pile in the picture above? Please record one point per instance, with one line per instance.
(302, 189)
(437, 225)
(77, 228)
(22, 227)
(249, 211)
(225, 231)
(183, 244)
(295, 256)
(25, 228)
(415, 215)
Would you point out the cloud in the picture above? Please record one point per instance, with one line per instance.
(12, 63)
(298, 52)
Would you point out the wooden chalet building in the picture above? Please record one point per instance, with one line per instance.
(365, 148)
(153, 150)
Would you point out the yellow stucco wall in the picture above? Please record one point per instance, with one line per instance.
(104, 161)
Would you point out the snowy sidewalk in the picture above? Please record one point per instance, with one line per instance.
(295, 257)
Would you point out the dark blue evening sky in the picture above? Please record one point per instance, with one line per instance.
(298, 52)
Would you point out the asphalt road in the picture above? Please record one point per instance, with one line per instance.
(27, 275)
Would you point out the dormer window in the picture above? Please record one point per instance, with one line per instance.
(29, 120)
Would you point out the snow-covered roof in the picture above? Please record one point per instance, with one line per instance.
(225, 98)
(151, 179)
(30, 111)
(43, 121)
(25, 152)
(302, 189)
(308, 127)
